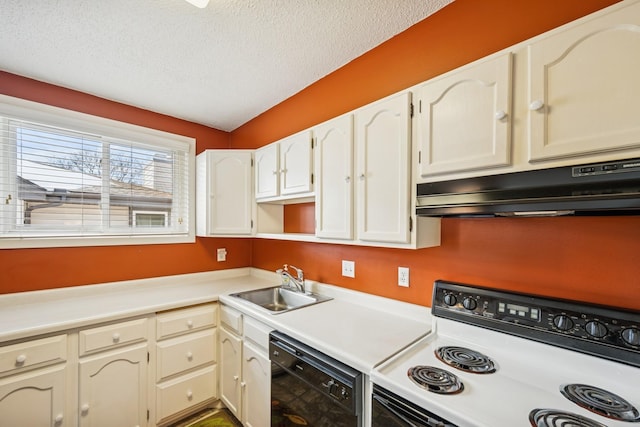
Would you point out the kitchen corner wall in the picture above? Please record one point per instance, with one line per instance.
(34, 269)
(591, 259)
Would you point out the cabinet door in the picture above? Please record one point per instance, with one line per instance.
(383, 170)
(584, 88)
(296, 164)
(230, 371)
(35, 399)
(230, 192)
(113, 388)
(464, 120)
(256, 387)
(334, 178)
(267, 171)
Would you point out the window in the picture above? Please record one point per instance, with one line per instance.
(70, 179)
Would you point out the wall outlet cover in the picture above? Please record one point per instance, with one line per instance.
(403, 276)
(349, 268)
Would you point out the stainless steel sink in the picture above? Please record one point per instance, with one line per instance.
(279, 300)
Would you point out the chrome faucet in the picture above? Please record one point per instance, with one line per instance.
(290, 282)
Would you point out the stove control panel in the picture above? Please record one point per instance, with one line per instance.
(597, 330)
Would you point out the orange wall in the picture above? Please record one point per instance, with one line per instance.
(32, 269)
(590, 259)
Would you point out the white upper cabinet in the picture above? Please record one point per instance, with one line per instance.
(464, 119)
(284, 169)
(584, 90)
(224, 201)
(267, 171)
(334, 178)
(296, 164)
(383, 170)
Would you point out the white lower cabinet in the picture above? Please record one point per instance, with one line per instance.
(185, 361)
(113, 388)
(35, 399)
(245, 369)
(255, 386)
(33, 383)
(230, 370)
(146, 371)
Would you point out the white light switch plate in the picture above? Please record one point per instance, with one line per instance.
(222, 254)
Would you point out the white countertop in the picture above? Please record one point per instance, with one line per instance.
(359, 329)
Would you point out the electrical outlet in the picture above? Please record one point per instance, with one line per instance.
(222, 254)
(403, 276)
(348, 268)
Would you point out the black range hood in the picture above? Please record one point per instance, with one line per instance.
(606, 188)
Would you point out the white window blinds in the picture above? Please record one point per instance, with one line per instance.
(91, 179)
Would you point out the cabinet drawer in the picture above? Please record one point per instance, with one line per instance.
(178, 322)
(35, 353)
(185, 352)
(186, 391)
(231, 318)
(109, 336)
(256, 332)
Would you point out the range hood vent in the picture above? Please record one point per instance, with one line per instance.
(608, 188)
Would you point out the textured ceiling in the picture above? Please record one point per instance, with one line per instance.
(219, 66)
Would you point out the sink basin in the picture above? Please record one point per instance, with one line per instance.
(279, 300)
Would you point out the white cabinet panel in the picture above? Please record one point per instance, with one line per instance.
(113, 388)
(224, 192)
(464, 118)
(186, 391)
(584, 93)
(383, 171)
(296, 164)
(34, 353)
(284, 168)
(230, 370)
(334, 178)
(111, 336)
(267, 171)
(256, 387)
(35, 399)
(185, 320)
(184, 353)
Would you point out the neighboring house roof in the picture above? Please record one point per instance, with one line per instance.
(41, 182)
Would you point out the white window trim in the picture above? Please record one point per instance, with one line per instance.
(37, 112)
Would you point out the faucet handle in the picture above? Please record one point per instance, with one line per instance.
(299, 272)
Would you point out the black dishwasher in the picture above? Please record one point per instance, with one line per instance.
(310, 388)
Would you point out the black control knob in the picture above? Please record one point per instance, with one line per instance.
(450, 300)
(596, 329)
(563, 322)
(631, 336)
(469, 303)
